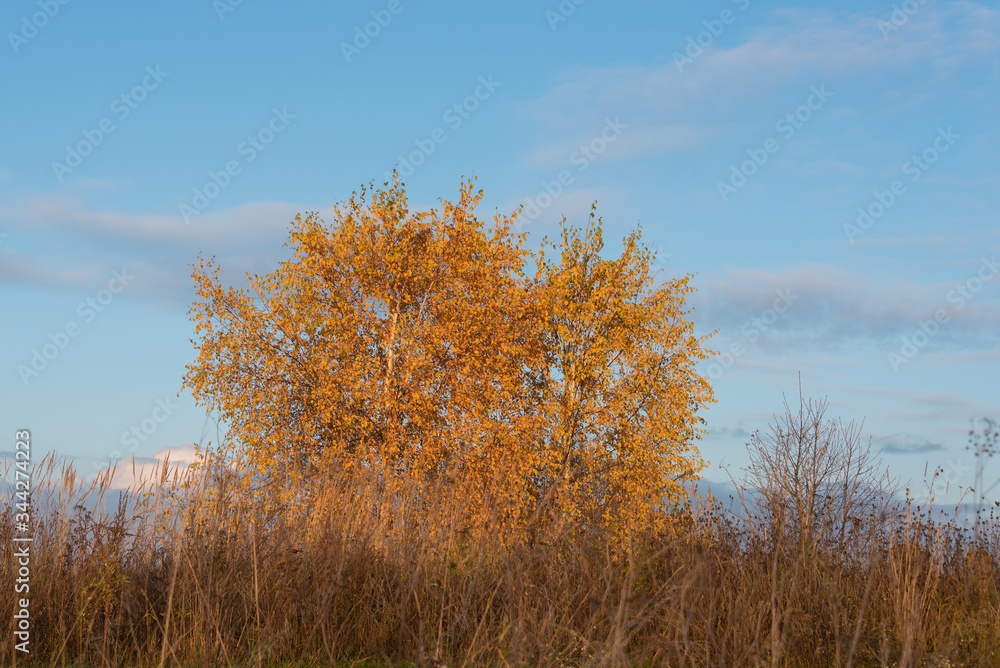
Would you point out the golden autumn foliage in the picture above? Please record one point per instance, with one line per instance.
(420, 344)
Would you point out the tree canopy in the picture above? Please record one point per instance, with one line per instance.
(420, 344)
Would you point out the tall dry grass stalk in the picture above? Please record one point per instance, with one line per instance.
(819, 568)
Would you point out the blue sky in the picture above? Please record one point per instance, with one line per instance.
(829, 173)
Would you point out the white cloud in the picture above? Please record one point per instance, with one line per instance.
(642, 140)
(83, 245)
(670, 109)
(914, 406)
(136, 471)
(65, 214)
(573, 204)
(831, 307)
(907, 444)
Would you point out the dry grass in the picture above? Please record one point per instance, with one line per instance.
(363, 570)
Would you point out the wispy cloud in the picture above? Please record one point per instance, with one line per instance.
(55, 212)
(915, 406)
(158, 249)
(671, 110)
(899, 444)
(832, 308)
(732, 433)
(642, 140)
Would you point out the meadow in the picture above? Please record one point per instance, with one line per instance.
(817, 564)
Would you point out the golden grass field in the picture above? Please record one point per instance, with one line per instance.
(360, 570)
